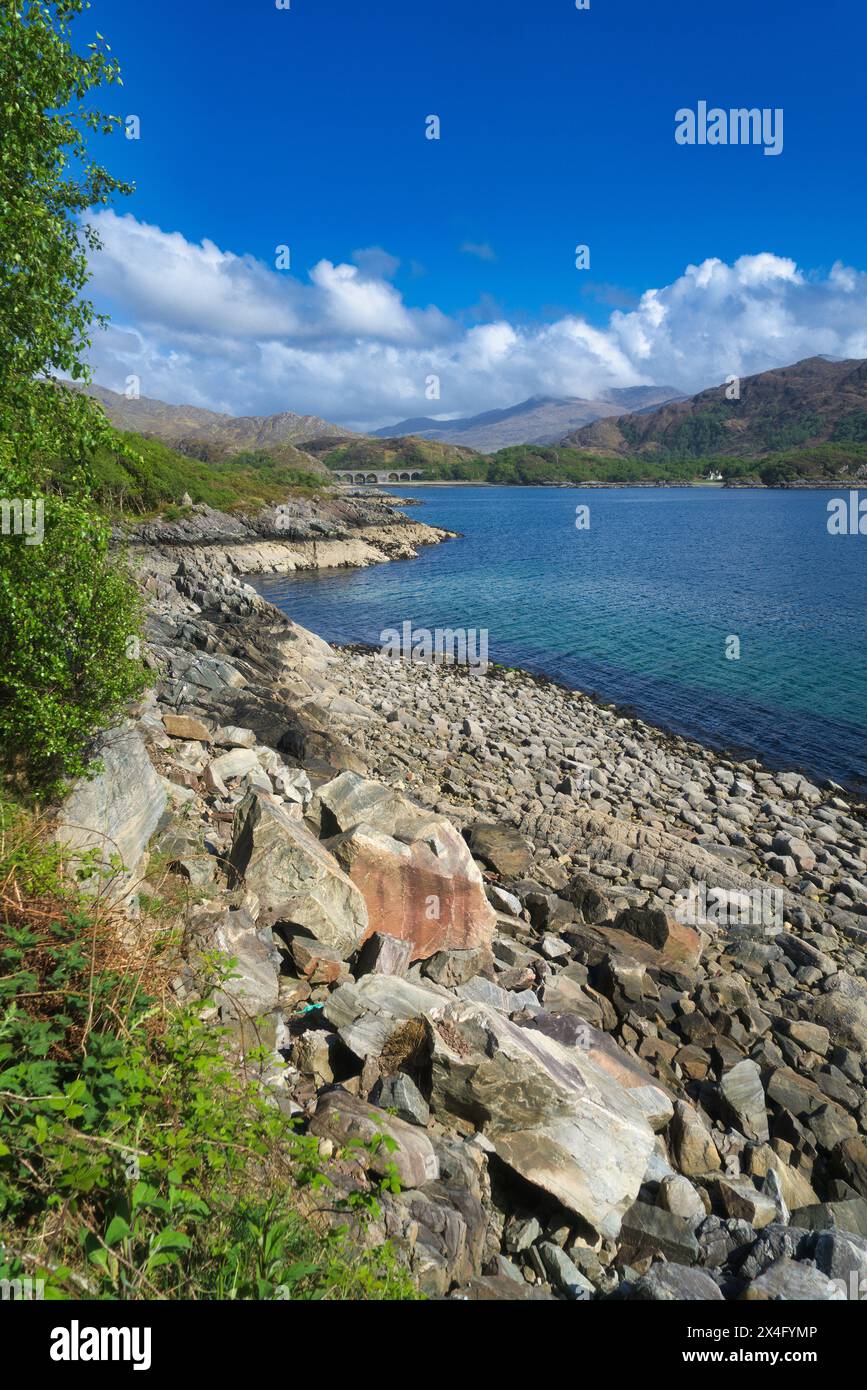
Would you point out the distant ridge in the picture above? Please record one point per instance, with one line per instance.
(538, 420)
(816, 401)
(185, 426)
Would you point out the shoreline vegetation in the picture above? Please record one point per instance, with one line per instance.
(824, 465)
(323, 976)
(820, 485)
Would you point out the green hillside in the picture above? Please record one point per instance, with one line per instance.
(541, 464)
(406, 451)
(142, 475)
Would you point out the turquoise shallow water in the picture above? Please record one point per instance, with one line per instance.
(638, 608)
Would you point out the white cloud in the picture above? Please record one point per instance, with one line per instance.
(481, 249)
(207, 327)
(375, 262)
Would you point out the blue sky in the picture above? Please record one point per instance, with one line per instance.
(306, 127)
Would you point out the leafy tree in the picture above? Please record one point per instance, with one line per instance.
(69, 615)
(47, 181)
(66, 611)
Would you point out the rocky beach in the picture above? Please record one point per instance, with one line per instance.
(603, 988)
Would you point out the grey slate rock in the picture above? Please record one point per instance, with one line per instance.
(670, 1283)
(742, 1099)
(563, 1274)
(648, 1230)
(400, 1094)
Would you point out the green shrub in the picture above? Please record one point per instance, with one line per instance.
(69, 615)
(132, 473)
(135, 1160)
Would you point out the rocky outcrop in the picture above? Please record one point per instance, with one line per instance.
(113, 814)
(557, 1119)
(322, 533)
(296, 881)
(467, 916)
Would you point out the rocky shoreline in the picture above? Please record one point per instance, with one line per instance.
(602, 987)
(345, 531)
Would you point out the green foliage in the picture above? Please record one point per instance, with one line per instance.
(782, 433)
(852, 428)
(47, 181)
(140, 475)
(403, 453)
(69, 614)
(540, 464)
(696, 436)
(66, 612)
(135, 1160)
(818, 461)
(548, 463)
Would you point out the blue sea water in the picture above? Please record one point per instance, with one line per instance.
(638, 609)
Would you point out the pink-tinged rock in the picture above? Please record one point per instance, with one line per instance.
(428, 891)
(187, 726)
(319, 963)
(679, 943)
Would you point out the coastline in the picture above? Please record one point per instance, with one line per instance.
(328, 533)
(732, 755)
(690, 1084)
(732, 727)
(803, 484)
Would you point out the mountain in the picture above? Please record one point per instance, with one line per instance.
(539, 420)
(817, 401)
(206, 432)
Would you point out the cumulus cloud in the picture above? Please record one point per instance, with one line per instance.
(207, 327)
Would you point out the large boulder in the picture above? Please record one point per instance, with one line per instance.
(428, 892)
(418, 879)
(294, 877)
(500, 847)
(117, 811)
(572, 1031)
(253, 988)
(350, 800)
(552, 1113)
(344, 1118)
(248, 995)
